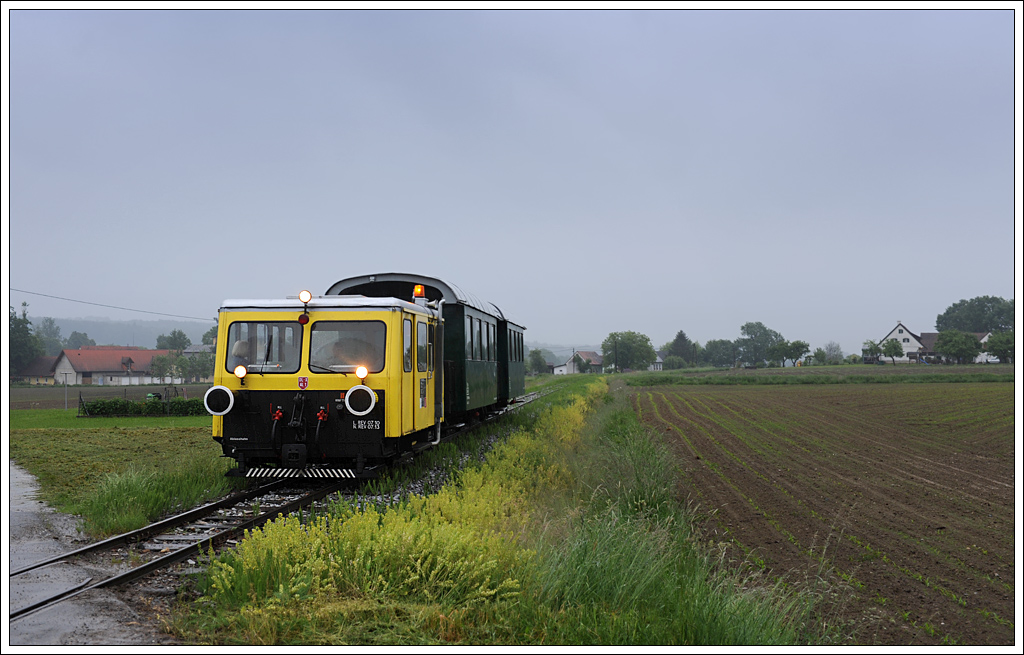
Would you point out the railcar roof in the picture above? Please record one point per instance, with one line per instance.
(321, 302)
(450, 292)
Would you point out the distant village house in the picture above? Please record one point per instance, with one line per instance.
(921, 347)
(109, 365)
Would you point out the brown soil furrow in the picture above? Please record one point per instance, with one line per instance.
(912, 514)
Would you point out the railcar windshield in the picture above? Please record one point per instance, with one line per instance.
(343, 346)
(264, 346)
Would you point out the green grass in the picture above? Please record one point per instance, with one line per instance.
(118, 473)
(567, 532)
(67, 419)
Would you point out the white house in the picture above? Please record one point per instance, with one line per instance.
(917, 346)
(569, 367)
(108, 365)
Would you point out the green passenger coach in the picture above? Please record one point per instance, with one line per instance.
(484, 364)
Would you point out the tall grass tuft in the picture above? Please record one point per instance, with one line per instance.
(130, 499)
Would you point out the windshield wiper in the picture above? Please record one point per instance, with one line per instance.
(266, 355)
(325, 369)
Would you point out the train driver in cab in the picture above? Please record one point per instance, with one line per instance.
(239, 354)
(352, 352)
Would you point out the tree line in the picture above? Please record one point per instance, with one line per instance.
(28, 342)
(759, 345)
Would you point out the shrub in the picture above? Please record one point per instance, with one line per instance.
(150, 407)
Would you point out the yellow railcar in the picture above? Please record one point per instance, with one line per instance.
(327, 386)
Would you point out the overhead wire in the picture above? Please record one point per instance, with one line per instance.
(127, 309)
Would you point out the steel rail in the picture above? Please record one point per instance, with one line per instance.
(156, 528)
(183, 553)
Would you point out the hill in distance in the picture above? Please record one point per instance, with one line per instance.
(143, 334)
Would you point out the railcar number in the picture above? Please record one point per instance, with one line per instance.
(365, 425)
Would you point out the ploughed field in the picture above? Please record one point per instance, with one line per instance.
(900, 496)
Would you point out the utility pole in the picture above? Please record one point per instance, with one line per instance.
(65, 391)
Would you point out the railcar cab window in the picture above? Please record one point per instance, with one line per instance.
(344, 346)
(421, 347)
(264, 347)
(407, 345)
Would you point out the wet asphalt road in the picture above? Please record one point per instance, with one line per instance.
(36, 532)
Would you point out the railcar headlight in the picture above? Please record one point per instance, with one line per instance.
(305, 296)
(219, 400)
(361, 372)
(240, 371)
(360, 400)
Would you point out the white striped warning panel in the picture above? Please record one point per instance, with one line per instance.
(299, 473)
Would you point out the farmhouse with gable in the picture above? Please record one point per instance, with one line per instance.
(109, 365)
(569, 367)
(916, 347)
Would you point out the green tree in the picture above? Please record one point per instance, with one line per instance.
(820, 357)
(178, 341)
(160, 366)
(779, 352)
(981, 314)
(699, 355)
(210, 336)
(23, 346)
(204, 363)
(720, 352)
(672, 362)
(755, 342)
(1001, 345)
(958, 345)
(77, 340)
(892, 348)
(791, 350)
(680, 346)
(628, 350)
(549, 357)
(48, 333)
(833, 353)
(871, 348)
(537, 362)
(183, 367)
(581, 365)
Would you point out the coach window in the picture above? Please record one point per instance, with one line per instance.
(478, 341)
(421, 347)
(407, 344)
(469, 338)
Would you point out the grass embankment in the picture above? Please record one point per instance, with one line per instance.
(118, 473)
(568, 531)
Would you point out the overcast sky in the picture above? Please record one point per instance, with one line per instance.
(826, 173)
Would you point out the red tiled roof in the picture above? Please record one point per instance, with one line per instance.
(595, 359)
(111, 358)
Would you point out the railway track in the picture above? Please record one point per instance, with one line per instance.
(215, 525)
(185, 535)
